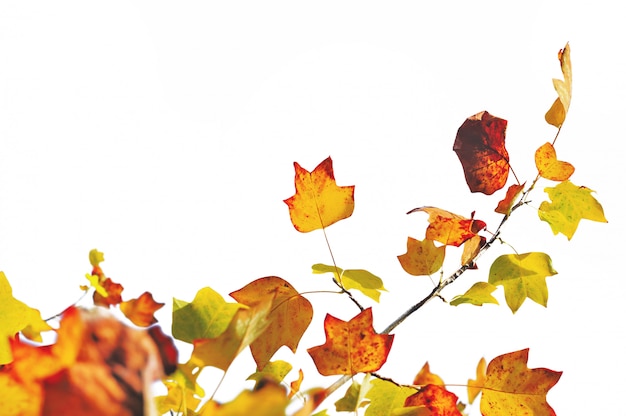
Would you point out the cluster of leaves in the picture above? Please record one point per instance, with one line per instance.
(99, 366)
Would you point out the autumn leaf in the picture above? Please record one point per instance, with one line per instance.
(425, 377)
(511, 388)
(16, 316)
(522, 276)
(471, 248)
(289, 317)
(478, 294)
(351, 347)
(480, 147)
(295, 385)
(184, 394)
(113, 293)
(448, 228)
(435, 398)
(422, 257)
(474, 387)
(362, 280)
(353, 399)
(318, 201)
(274, 370)
(268, 400)
(207, 316)
(556, 114)
(570, 204)
(141, 311)
(548, 165)
(246, 326)
(385, 397)
(506, 205)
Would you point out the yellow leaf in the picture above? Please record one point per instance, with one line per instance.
(478, 294)
(268, 400)
(556, 114)
(15, 316)
(425, 377)
(362, 280)
(548, 165)
(474, 387)
(422, 257)
(318, 201)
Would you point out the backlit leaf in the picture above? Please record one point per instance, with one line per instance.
(353, 399)
(437, 399)
(471, 248)
(570, 204)
(113, 293)
(16, 316)
(474, 387)
(207, 316)
(318, 201)
(478, 294)
(422, 257)
(385, 397)
(448, 228)
(141, 311)
(425, 377)
(289, 317)
(246, 326)
(511, 388)
(556, 114)
(351, 347)
(362, 280)
(480, 147)
(275, 370)
(505, 206)
(548, 165)
(522, 276)
(268, 400)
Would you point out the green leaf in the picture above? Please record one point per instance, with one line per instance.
(207, 316)
(275, 370)
(350, 401)
(385, 396)
(570, 204)
(362, 280)
(522, 276)
(478, 294)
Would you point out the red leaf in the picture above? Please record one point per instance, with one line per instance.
(480, 147)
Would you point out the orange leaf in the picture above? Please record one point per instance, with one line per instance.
(114, 292)
(548, 165)
(480, 147)
(425, 377)
(318, 201)
(290, 315)
(141, 311)
(556, 114)
(512, 388)
(437, 399)
(422, 258)
(448, 228)
(505, 206)
(351, 347)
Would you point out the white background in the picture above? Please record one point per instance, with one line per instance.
(164, 135)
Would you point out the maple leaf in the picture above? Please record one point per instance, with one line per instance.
(295, 385)
(425, 377)
(522, 276)
(479, 144)
(351, 347)
(422, 257)
(511, 388)
(246, 326)
(438, 400)
(474, 387)
(362, 280)
(385, 397)
(506, 205)
(274, 370)
(448, 228)
(548, 165)
(113, 293)
(16, 316)
(556, 114)
(353, 399)
(318, 201)
(478, 294)
(141, 311)
(290, 315)
(570, 204)
(207, 316)
(184, 394)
